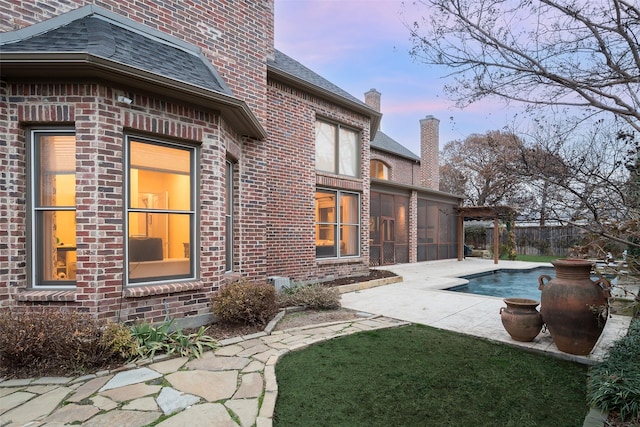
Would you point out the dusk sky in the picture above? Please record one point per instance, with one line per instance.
(363, 44)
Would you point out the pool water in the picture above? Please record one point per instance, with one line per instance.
(506, 283)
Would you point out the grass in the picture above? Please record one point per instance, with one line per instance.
(536, 258)
(417, 375)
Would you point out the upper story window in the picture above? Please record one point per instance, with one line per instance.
(337, 149)
(160, 210)
(379, 170)
(53, 207)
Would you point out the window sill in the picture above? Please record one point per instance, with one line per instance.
(170, 288)
(34, 295)
(326, 261)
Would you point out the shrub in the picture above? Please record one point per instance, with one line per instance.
(314, 296)
(614, 384)
(163, 338)
(51, 341)
(245, 303)
(117, 339)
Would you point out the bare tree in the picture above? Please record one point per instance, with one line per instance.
(586, 177)
(479, 168)
(540, 52)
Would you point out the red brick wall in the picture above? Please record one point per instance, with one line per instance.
(237, 36)
(292, 181)
(403, 171)
(100, 125)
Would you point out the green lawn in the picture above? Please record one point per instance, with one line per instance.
(536, 258)
(420, 376)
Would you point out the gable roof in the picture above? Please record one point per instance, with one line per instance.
(384, 142)
(94, 41)
(286, 68)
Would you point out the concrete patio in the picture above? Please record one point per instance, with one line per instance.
(421, 298)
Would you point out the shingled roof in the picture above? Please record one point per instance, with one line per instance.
(384, 142)
(96, 36)
(284, 66)
(92, 41)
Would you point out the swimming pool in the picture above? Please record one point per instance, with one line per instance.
(506, 283)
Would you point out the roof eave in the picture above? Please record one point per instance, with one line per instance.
(29, 65)
(413, 159)
(376, 117)
(438, 193)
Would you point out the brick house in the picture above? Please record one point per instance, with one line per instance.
(410, 219)
(152, 152)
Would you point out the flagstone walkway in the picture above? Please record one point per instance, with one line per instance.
(235, 385)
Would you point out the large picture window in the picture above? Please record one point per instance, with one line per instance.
(160, 211)
(337, 149)
(337, 224)
(53, 201)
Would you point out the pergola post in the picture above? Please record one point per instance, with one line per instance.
(496, 236)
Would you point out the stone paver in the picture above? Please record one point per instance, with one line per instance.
(142, 404)
(35, 408)
(168, 366)
(89, 388)
(219, 363)
(203, 415)
(251, 386)
(245, 409)
(212, 386)
(171, 400)
(15, 399)
(123, 418)
(130, 392)
(239, 377)
(72, 413)
(133, 376)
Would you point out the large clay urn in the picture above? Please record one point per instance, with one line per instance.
(574, 307)
(521, 319)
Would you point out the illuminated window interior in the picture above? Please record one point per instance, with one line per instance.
(379, 170)
(337, 235)
(54, 208)
(160, 213)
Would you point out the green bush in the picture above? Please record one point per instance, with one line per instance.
(614, 384)
(245, 303)
(51, 341)
(117, 339)
(163, 338)
(314, 296)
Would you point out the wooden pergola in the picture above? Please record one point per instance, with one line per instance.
(483, 213)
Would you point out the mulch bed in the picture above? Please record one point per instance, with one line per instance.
(373, 275)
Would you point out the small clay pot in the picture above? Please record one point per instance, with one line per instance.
(521, 319)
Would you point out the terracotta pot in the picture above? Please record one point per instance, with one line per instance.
(574, 307)
(521, 319)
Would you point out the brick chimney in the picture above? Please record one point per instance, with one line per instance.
(429, 147)
(372, 99)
